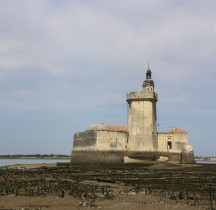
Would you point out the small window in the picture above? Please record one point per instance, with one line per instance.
(129, 109)
(169, 145)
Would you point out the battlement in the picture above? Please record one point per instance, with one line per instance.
(139, 96)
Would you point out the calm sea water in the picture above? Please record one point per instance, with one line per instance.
(5, 162)
(206, 162)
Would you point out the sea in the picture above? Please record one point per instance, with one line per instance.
(6, 162)
(206, 162)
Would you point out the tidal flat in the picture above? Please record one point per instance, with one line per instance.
(109, 186)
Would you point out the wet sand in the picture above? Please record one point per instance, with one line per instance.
(121, 202)
(31, 166)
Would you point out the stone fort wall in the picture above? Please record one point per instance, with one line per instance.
(172, 142)
(99, 146)
(110, 146)
(100, 140)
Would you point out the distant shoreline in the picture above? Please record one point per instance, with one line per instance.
(35, 158)
(197, 160)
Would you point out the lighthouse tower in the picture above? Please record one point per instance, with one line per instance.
(142, 118)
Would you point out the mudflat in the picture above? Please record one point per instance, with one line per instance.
(109, 186)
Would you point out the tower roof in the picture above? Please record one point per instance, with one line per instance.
(148, 73)
(148, 70)
(148, 80)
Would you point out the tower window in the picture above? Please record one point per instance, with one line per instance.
(129, 108)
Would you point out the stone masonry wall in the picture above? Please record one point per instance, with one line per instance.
(179, 141)
(100, 140)
(99, 146)
(141, 125)
(85, 140)
(111, 140)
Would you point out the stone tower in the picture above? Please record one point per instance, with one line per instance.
(142, 119)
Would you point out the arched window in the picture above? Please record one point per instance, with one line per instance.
(169, 145)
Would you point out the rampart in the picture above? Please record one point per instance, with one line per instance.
(100, 144)
(110, 146)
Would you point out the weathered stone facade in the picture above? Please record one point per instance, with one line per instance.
(101, 138)
(142, 119)
(139, 142)
(101, 144)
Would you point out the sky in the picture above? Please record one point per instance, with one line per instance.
(65, 65)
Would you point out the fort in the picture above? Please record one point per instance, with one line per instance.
(139, 141)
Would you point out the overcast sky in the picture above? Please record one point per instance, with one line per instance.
(67, 64)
